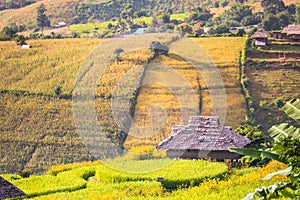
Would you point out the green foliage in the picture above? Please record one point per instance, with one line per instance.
(258, 139)
(200, 15)
(273, 6)
(42, 18)
(240, 32)
(20, 40)
(245, 81)
(234, 187)
(104, 11)
(63, 182)
(271, 22)
(285, 149)
(292, 108)
(12, 4)
(165, 17)
(179, 16)
(232, 17)
(194, 171)
(297, 18)
(58, 90)
(219, 29)
(9, 31)
(98, 190)
(183, 29)
(77, 181)
(279, 102)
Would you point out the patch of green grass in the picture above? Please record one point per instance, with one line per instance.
(64, 182)
(195, 171)
(179, 16)
(146, 20)
(97, 190)
(91, 27)
(235, 187)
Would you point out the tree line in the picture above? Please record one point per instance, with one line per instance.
(13, 4)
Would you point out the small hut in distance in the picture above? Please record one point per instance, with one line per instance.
(292, 32)
(203, 137)
(261, 37)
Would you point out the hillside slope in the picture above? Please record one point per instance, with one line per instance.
(57, 10)
(60, 10)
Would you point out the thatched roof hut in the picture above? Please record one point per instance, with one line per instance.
(203, 137)
(292, 31)
(8, 190)
(261, 37)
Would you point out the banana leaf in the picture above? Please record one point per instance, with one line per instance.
(283, 130)
(258, 154)
(292, 108)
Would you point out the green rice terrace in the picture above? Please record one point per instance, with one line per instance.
(181, 179)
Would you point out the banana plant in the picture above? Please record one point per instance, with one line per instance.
(286, 150)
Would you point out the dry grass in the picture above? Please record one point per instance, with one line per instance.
(57, 10)
(225, 53)
(46, 65)
(37, 132)
(167, 89)
(269, 85)
(288, 2)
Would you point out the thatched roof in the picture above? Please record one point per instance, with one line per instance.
(293, 29)
(8, 190)
(203, 133)
(261, 33)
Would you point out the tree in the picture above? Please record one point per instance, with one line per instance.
(165, 18)
(273, 6)
(271, 22)
(217, 4)
(219, 29)
(127, 13)
(42, 18)
(253, 133)
(297, 19)
(284, 19)
(183, 29)
(292, 9)
(58, 90)
(240, 32)
(224, 3)
(117, 53)
(20, 40)
(286, 150)
(197, 29)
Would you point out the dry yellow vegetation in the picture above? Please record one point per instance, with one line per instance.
(164, 85)
(46, 65)
(225, 53)
(105, 91)
(57, 10)
(156, 90)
